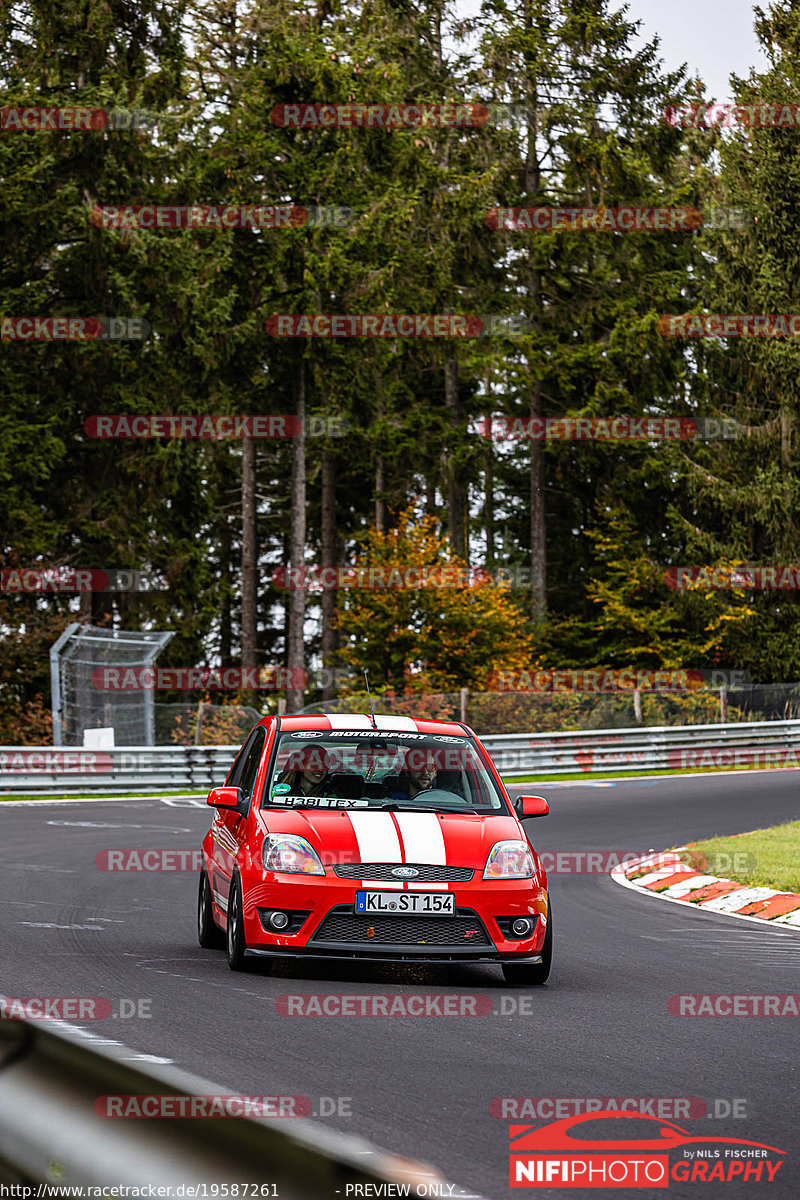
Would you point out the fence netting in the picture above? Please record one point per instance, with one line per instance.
(79, 700)
(553, 712)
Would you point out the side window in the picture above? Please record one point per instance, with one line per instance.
(250, 768)
(234, 775)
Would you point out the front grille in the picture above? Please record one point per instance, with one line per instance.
(428, 873)
(343, 925)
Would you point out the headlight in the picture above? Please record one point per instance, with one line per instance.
(290, 854)
(509, 860)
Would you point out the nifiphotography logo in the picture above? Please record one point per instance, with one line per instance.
(594, 1150)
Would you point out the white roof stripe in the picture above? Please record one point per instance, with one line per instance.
(363, 721)
(406, 724)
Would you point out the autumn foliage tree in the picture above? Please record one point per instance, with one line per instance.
(448, 630)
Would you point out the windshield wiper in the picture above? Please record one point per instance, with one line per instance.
(393, 806)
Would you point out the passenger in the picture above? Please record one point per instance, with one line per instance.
(307, 771)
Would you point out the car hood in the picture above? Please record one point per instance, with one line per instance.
(350, 836)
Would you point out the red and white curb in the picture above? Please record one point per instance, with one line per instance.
(668, 876)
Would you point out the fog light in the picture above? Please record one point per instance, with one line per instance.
(278, 920)
(522, 926)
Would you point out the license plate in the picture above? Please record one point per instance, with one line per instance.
(420, 904)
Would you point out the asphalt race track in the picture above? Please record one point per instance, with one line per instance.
(423, 1086)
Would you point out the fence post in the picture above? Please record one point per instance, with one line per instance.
(637, 705)
(723, 705)
(464, 704)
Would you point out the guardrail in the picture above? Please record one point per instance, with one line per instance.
(755, 743)
(56, 769)
(50, 770)
(52, 1137)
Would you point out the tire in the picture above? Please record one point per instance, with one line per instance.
(209, 935)
(534, 974)
(234, 939)
(234, 936)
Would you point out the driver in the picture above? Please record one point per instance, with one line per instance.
(418, 775)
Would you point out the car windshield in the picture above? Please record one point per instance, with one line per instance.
(380, 770)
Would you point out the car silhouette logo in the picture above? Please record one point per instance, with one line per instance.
(405, 872)
(557, 1135)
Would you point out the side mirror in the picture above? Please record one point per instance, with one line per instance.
(531, 806)
(225, 797)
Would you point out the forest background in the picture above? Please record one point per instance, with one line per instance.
(585, 529)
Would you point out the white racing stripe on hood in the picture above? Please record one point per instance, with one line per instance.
(376, 836)
(422, 837)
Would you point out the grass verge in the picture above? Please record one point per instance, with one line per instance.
(78, 796)
(763, 858)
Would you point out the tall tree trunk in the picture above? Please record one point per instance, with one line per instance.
(456, 491)
(295, 656)
(249, 580)
(328, 553)
(488, 502)
(538, 519)
(225, 631)
(537, 475)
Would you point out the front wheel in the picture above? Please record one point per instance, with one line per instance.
(534, 974)
(209, 935)
(235, 942)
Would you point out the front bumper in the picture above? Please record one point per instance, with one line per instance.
(361, 955)
(332, 929)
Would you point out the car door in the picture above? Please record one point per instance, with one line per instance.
(230, 828)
